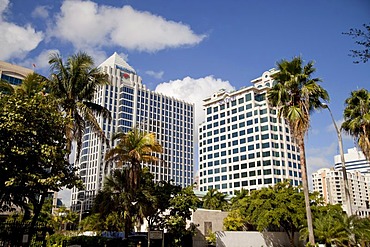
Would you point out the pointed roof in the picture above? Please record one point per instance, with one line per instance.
(116, 61)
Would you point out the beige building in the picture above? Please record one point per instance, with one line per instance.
(12, 73)
(329, 183)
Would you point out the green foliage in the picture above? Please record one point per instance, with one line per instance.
(215, 200)
(357, 119)
(62, 217)
(182, 206)
(279, 206)
(32, 150)
(73, 83)
(296, 95)
(235, 221)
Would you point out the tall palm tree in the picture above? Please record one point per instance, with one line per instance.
(296, 95)
(74, 83)
(133, 148)
(357, 119)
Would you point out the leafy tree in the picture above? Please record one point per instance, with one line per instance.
(74, 83)
(362, 39)
(357, 119)
(32, 152)
(182, 206)
(296, 95)
(215, 200)
(281, 206)
(155, 200)
(235, 221)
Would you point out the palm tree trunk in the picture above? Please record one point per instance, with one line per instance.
(311, 237)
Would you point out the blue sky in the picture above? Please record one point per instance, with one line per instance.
(191, 48)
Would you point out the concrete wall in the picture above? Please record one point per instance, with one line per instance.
(254, 239)
(207, 219)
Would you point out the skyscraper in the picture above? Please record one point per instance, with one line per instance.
(242, 142)
(132, 104)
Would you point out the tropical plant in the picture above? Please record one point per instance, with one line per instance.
(6, 87)
(133, 148)
(215, 200)
(357, 119)
(73, 83)
(296, 95)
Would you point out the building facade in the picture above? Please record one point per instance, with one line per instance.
(12, 73)
(132, 104)
(354, 160)
(243, 143)
(330, 184)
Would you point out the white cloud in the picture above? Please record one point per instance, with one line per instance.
(3, 6)
(41, 12)
(65, 196)
(157, 75)
(41, 61)
(86, 24)
(194, 91)
(317, 158)
(16, 41)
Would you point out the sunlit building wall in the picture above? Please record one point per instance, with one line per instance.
(243, 143)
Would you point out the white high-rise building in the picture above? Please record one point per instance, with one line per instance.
(354, 160)
(132, 104)
(330, 184)
(242, 142)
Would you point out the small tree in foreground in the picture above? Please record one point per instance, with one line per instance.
(32, 152)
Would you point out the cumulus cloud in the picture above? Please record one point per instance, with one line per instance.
(41, 12)
(16, 41)
(65, 196)
(157, 75)
(3, 6)
(194, 91)
(85, 23)
(41, 61)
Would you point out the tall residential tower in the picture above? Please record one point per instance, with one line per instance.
(242, 142)
(132, 104)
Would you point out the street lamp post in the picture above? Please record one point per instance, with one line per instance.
(82, 202)
(344, 171)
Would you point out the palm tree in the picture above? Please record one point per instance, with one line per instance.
(215, 200)
(357, 119)
(297, 95)
(133, 148)
(74, 83)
